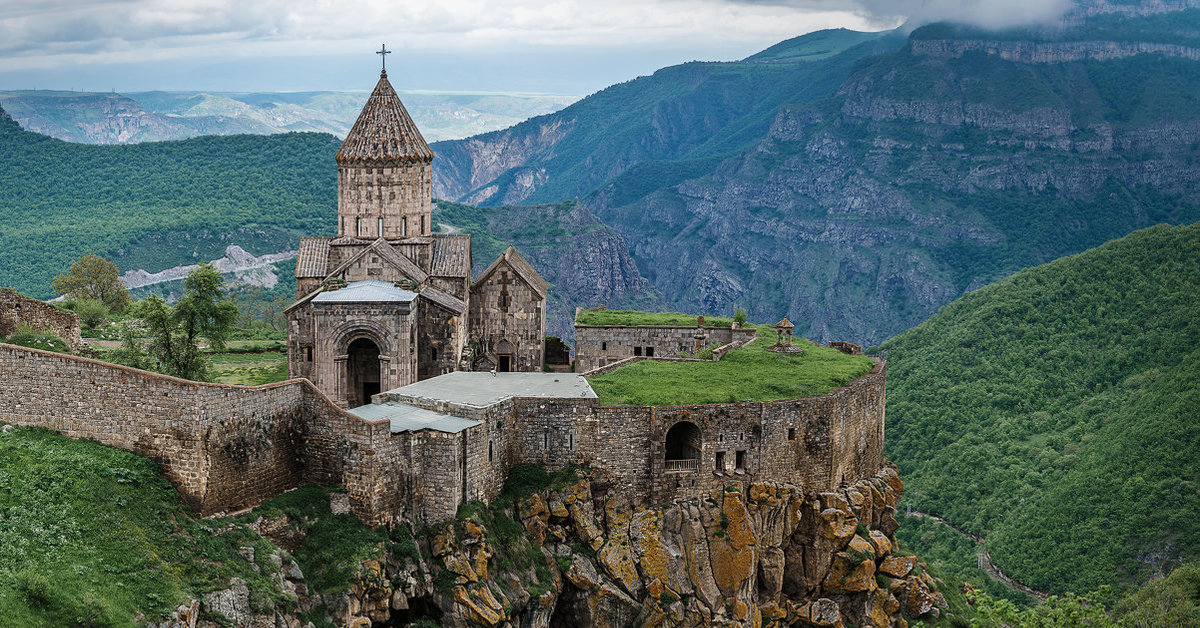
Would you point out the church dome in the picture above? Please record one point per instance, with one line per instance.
(384, 131)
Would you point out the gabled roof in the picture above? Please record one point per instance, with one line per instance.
(444, 299)
(451, 255)
(389, 255)
(519, 266)
(367, 291)
(313, 258)
(784, 324)
(384, 131)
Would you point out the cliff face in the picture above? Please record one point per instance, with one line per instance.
(581, 555)
(932, 171)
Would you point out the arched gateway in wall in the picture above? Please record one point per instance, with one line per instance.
(363, 363)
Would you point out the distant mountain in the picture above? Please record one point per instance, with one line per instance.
(1055, 413)
(860, 192)
(160, 205)
(690, 111)
(97, 118)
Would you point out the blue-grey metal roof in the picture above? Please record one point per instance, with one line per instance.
(485, 389)
(368, 290)
(406, 418)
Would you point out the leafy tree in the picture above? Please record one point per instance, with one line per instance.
(739, 315)
(175, 332)
(92, 312)
(95, 278)
(1170, 601)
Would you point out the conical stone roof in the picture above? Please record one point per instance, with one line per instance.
(384, 131)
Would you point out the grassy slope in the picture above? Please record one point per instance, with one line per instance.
(156, 205)
(1053, 412)
(89, 529)
(748, 374)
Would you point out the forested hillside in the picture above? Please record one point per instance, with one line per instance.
(156, 205)
(1055, 413)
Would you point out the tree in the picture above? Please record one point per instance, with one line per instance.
(92, 312)
(175, 332)
(93, 277)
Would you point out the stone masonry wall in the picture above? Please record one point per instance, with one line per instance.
(16, 309)
(224, 447)
(396, 195)
(599, 345)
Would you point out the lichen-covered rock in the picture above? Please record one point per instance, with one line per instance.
(897, 566)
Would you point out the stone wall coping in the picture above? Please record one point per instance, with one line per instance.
(880, 366)
(187, 382)
(750, 329)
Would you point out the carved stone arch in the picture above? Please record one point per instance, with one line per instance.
(350, 331)
(506, 355)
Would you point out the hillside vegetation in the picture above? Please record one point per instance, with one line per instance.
(1054, 413)
(156, 205)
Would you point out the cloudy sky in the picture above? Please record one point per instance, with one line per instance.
(550, 46)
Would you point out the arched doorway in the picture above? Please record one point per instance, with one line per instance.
(362, 372)
(683, 447)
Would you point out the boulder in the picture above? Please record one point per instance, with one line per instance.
(897, 566)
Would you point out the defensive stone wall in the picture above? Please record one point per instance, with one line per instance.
(16, 309)
(597, 346)
(817, 442)
(224, 447)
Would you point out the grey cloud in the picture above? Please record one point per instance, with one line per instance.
(985, 13)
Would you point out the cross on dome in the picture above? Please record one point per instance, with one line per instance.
(383, 52)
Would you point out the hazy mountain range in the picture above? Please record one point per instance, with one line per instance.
(111, 118)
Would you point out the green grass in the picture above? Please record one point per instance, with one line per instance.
(1054, 413)
(248, 369)
(631, 317)
(90, 531)
(748, 374)
(333, 544)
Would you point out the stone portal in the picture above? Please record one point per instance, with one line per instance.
(362, 372)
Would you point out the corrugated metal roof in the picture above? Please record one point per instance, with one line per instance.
(451, 255)
(384, 131)
(406, 418)
(313, 258)
(366, 291)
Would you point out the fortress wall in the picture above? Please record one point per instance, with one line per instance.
(16, 309)
(223, 447)
(609, 343)
(437, 478)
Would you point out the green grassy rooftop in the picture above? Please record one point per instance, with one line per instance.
(632, 317)
(748, 374)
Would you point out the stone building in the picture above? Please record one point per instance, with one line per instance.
(597, 346)
(388, 302)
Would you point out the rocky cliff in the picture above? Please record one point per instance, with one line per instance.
(578, 553)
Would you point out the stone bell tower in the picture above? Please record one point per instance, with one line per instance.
(384, 172)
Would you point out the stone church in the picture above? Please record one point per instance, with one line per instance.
(388, 302)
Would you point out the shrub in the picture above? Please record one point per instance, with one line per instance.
(92, 312)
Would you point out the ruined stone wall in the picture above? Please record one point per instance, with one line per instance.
(223, 447)
(396, 195)
(16, 309)
(599, 345)
(508, 317)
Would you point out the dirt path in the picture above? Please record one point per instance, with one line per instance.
(985, 559)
